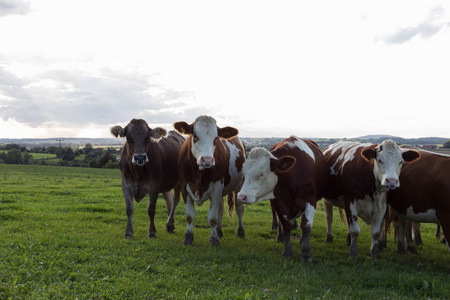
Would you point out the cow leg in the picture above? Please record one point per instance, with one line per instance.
(220, 220)
(274, 215)
(417, 237)
(170, 225)
(129, 206)
(190, 216)
(306, 225)
(401, 229)
(240, 213)
(375, 230)
(213, 217)
(328, 208)
(354, 229)
(287, 251)
(151, 208)
(409, 237)
(280, 234)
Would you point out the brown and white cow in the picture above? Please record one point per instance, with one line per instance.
(360, 177)
(424, 195)
(210, 167)
(294, 173)
(148, 164)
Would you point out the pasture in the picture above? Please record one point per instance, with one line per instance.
(61, 236)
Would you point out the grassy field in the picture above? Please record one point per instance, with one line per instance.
(61, 236)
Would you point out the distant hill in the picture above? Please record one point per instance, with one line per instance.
(376, 136)
(249, 142)
(414, 141)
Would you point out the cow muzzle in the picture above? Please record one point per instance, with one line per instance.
(140, 159)
(207, 162)
(392, 183)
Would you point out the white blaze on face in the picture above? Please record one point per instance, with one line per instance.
(203, 141)
(259, 180)
(388, 164)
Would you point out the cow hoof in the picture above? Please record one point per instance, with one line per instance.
(152, 235)
(188, 238)
(307, 257)
(170, 228)
(219, 233)
(329, 238)
(240, 233)
(214, 242)
(287, 253)
(128, 236)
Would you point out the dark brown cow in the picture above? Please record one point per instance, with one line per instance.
(210, 165)
(294, 173)
(360, 177)
(424, 195)
(149, 166)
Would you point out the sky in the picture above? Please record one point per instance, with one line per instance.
(327, 68)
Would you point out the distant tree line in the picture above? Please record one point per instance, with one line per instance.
(88, 156)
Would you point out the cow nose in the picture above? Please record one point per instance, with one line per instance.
(140, 159)
(208, 161)
(242, 198)
(392, 183)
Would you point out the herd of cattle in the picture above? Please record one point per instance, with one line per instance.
(361, 179)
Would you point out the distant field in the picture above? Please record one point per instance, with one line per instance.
(37, 156)
(62, 238)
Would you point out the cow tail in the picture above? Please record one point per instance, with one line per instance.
(230, 205)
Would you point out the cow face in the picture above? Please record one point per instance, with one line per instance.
(138, 135)
(388, 159)
(204, 135)
(260, 175)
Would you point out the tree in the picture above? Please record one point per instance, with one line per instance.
(87, 148)
(446, 144)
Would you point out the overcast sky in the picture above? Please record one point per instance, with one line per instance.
(269, 68)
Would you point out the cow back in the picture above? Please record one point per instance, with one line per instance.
(425, 184)
(350, 173)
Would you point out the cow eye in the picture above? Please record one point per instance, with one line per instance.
(380, 161)
(215, 141)
(401, 163)
(129, 141)
(195, 137)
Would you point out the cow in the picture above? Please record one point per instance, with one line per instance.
(210, 167)
(294, 174)
(149, 165)
(424, 195)
(361, 174)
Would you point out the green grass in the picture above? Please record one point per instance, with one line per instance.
(61, 236)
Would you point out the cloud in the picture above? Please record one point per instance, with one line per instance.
(13, 7)
(433, 24)
(69, 98)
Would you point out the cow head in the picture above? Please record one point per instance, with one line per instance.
(388, 159)
(260, 175)
(204, 134)
(138, 135)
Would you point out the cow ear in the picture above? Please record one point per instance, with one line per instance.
(282, 164)
(227, 132)
(183, 127)
(157, 133)
(411, 155)
(118, 131)
(369, 154)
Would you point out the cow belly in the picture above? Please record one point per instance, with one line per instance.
(338, 202)
(428, 216)
(367, 209)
